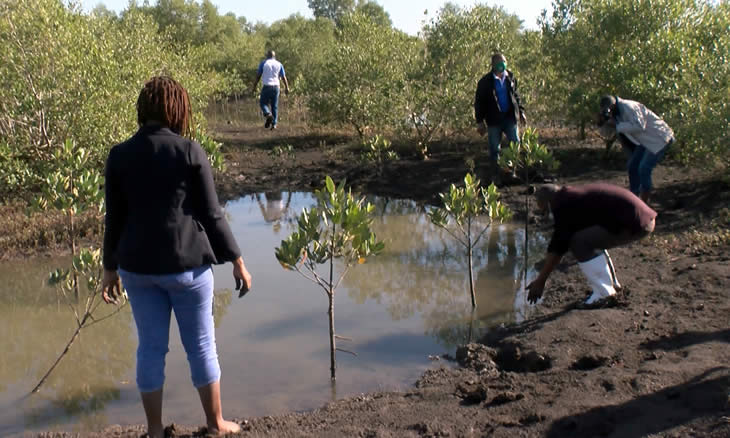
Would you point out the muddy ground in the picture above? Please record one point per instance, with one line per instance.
(658, 364)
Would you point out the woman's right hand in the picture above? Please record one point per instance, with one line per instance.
(242, 277)
(535, 290)
(111, 287)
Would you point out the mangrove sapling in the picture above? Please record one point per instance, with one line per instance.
(213, 149)
(462, 206)
(338, 227)
(75, 188)
(377, 151)
(87, 265)
(526, 160)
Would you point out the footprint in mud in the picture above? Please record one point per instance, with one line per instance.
(506, 397)
(589, 362)
(511, 357)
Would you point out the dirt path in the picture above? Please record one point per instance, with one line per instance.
(656, 365)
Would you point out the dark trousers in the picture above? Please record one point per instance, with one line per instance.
(627, 145)
(588, 243)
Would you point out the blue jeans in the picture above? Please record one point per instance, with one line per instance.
(270, 102)
(641, 165)
(190, 295)
(509, 128)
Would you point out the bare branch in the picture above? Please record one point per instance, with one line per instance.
(481, 234)
(455, 236)
(346, 351)
(344, 271)
(31, 84)
(312, 279)
(71, 306)
(97, 320)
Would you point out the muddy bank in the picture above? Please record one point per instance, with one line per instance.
(657, 364)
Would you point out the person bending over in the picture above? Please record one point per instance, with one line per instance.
(590, 219)
(642, 133)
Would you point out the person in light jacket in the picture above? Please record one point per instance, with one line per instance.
(648, 132)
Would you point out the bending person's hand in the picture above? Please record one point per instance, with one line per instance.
(242, 277)
(535, 290)
(111, 287)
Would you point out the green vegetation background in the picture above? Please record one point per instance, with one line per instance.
(71, 76)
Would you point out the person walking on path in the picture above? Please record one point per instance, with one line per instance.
(164, 230)
(589, 220)
(649, 135)
(497, 108)
(270, 72)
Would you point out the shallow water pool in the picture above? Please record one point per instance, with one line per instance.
(399, 308)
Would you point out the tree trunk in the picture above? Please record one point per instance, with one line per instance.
(333, 347)
(331, 309)
(468, 260)
(63, 353)
(75, 275)
(527, 221)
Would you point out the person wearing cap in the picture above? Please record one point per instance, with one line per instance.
(270, 72)
(637, 126)
(589, 219)
(497, 107)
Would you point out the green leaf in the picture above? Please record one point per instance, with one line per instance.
(330, 184)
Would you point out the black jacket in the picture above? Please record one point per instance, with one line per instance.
(486, 106)
(162, 212)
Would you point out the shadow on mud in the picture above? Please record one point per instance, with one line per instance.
(686, 339)
(652, 413)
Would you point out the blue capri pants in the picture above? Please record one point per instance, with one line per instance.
(190, 295)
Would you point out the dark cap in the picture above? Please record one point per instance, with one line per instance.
(497, 58)
(607, 101)
(546, 192)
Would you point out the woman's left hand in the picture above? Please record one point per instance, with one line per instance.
(242, 277)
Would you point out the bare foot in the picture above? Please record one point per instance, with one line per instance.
(223, 428)
(154, 433)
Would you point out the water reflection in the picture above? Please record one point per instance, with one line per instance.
(274, 209)
(36, 326)
(424, 271)
(399, 308)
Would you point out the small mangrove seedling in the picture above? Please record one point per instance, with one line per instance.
(459, 216)
(337, 227)
(526, 160)
(377, 150)
(213, 149)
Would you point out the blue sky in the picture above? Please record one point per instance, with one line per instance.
(406, 15)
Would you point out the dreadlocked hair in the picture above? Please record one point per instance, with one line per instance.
(164, 100)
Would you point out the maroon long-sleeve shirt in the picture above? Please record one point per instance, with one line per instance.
(578, 207)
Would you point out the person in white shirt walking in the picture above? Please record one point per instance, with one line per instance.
(650, 134)
(270, 72)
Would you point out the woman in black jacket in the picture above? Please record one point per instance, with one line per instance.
(164, 230)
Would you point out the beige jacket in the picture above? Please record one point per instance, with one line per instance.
(642, 126)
